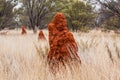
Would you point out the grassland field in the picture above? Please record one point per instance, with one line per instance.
(23, 57)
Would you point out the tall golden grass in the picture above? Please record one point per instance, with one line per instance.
(23, 57)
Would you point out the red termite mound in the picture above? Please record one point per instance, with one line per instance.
(23, 30)
(63, 47)
(41, 35)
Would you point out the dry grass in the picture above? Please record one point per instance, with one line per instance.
(23, 57)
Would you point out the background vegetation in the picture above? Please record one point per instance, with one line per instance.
(81, 15)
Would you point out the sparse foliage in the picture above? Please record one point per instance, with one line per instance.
(109, 14)
(6, 13)
(37, 12)
(79, 15)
